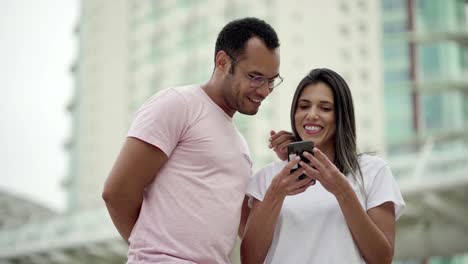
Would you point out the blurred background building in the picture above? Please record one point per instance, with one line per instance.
(406, 62)
(425, 55)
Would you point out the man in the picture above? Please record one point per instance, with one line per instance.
(177, 188)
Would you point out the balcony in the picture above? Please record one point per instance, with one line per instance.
(459, 36)
(434, 184)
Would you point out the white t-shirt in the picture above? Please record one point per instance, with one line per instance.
(311, 227)
(191, 210)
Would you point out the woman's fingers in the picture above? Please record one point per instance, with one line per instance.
(291, 165)
(289, 182)
(294, 183)
(314, 162)
(302, 188)
(323, 158)
(283, 146)
(309, 169)
(274, 135)
(281, 139)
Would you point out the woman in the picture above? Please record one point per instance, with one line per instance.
(348, 214)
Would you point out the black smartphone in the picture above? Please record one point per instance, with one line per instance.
(296, 149)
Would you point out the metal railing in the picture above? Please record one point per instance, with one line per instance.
(83, 228)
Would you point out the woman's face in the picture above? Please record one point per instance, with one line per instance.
(315, 116)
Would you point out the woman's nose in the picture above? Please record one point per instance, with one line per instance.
(312, 114)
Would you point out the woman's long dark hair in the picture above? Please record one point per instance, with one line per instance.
(346, 153)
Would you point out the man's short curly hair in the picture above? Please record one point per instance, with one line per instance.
(235, 34)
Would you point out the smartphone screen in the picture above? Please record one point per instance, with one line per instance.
(296, 149)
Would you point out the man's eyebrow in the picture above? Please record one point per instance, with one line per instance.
(263, 75)
(257, 73)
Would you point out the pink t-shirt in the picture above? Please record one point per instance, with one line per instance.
(191, 210)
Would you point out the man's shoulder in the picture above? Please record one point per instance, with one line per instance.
(179, 91)
(187, 89)
(180, 95)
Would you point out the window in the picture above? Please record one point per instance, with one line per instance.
(362, 5)
(396, 27)
(364, 75)
(465, 108)
(344, 7)
(346, 55)
(466, 14)
(432, 106)
(392, 51)
(398, 75)
(393, 4)
(363, 52)
(362, 27)
(344, 31)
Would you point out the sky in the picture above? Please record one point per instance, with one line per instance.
(37, 47)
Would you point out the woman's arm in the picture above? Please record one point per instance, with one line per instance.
(260, 229)
(263, 216)
(279, 142)
(372, 231)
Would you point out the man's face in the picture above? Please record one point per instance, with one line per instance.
(238, 90)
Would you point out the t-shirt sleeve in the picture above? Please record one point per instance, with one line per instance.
(257, 187)
(161, 121)
(384, 188)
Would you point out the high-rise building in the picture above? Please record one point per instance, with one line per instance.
(425, 54)
(131, 49)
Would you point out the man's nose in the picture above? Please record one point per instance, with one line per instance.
(263, 90)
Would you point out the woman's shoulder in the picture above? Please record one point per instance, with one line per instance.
(262, 179)
(271, 168)
(370, 162)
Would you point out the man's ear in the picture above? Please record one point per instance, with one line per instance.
(222, 61)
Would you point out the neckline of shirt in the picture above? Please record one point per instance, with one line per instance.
(215, 105)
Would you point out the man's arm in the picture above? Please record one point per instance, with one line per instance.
(136, 166)
(244, 216)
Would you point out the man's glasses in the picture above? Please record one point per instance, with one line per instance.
(257, 81)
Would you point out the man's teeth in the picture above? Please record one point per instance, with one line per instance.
(312, 128)
(255, 100)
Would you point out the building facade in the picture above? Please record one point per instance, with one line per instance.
(425, 52)
(409, 104)
(129, 50)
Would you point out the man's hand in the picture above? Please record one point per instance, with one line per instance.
(279, 142)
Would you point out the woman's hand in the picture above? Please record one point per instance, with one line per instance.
(279, 142)
(286, 183)
(323, 170)
(263, 217)
(372, 230)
